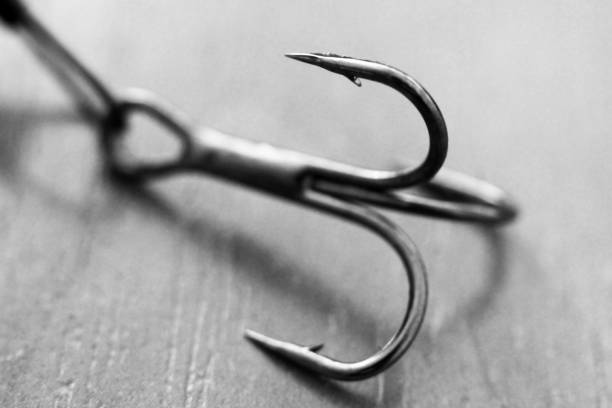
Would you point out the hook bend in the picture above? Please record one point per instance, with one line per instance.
(308, 356)
(354, 69)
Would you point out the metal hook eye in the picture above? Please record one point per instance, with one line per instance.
(115, 130)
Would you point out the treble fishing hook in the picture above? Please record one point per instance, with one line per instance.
(336, 188)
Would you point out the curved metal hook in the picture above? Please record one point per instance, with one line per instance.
(305, 166)
(308, 356)
(224, 156)
(454, 195)
(241, 161)
(331, 187)
(354, 69)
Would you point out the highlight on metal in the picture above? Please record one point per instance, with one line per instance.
(339, 189)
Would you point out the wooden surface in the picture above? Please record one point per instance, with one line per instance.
(110, 298)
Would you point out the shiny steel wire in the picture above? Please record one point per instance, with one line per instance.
(339, 189)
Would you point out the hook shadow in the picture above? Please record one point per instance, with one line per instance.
(16, 128)
(257, 261)
(256, 258)
(496, 274)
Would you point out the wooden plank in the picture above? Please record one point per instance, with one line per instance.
(110, 297)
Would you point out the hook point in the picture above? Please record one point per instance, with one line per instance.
(283, 348)
(307, 57)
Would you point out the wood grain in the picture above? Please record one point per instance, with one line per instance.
(111, 297)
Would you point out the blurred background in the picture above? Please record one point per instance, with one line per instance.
(110, 297)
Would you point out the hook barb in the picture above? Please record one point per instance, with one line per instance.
(280, 347)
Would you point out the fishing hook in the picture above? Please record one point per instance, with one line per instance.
(339, 189)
